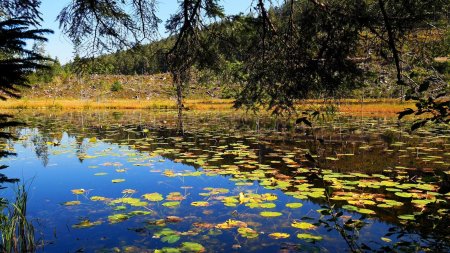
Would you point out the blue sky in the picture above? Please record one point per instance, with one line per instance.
(60, 46)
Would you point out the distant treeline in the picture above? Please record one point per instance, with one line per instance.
(227, 50)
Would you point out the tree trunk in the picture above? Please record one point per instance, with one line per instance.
(178, 82)
(180, 107)
(392, 45)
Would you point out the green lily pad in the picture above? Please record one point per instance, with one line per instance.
(116, 218)
(421, 202)
(170, 238)
(171, 204)
(247, 232)
(86, 224)
(120, 208)
(384, 206)
(365, 211)
(350, 207)
(407, 217)
(192, 247)
(168, 250)
(294, 205)
(130, 201)
(270, 214)
(403, 194)
(309, 237)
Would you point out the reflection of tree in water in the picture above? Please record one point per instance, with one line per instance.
(5, 135)
(80, 148)
(40, 147)
(263, 140)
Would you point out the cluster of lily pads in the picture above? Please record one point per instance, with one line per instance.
(298, 165)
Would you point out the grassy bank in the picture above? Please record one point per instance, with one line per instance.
(348, 106)
(68, 104)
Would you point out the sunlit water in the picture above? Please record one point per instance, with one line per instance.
(87, 176)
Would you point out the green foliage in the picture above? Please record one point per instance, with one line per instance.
(17, 233)
(276, 56)
(17, 62)
(46, 75)
(107, 25)
(116, 86)
(309, 48)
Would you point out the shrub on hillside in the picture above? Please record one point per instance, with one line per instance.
(116, 86)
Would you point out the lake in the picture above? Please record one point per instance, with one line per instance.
(126, 181)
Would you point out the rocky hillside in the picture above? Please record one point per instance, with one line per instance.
(101, 87)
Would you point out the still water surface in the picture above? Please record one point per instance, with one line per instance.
(127, 182)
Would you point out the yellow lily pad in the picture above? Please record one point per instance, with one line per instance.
(270, 214)
(153, 197)
(72, 203)
(279, 235)
(98, 198)
(78, 191)
(303, 225)
(200, 203)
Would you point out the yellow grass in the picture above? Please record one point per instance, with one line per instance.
(68, 104)
(387, 107)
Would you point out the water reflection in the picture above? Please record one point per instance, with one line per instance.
(366, 171)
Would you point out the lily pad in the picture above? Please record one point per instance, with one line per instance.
(171, 204)
(175, 196)
(72, 203)
(153, 197)
(170, 238)
(129, 201)
(168, 250)
(116, 218)
(78, 191)
(270, 214)
(294, 205)
(309, 237)
(231, 224)
(407, 217)
(279, 235)
(192, 247)
(247, 232)
(98, 198)
(200, 203)
(86, 224)
(303, 225)
(403, 194)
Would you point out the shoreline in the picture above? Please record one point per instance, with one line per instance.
(384, 107)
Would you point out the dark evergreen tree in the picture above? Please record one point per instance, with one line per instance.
(16, 61)
(18, 19)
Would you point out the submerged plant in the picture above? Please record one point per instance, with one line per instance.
(17, 233)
